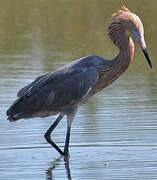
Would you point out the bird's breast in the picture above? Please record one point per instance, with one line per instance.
(106, 77)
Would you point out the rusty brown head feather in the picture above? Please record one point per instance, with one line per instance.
(122, 21)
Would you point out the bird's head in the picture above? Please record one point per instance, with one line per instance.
(132, 23)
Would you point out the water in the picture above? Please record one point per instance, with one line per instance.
(114, 134)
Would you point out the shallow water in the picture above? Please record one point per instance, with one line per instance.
(114, 134)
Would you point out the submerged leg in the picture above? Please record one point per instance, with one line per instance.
(66, 147)
(49, 131)
(70, 118)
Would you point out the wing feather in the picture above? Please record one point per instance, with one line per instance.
(51, 94)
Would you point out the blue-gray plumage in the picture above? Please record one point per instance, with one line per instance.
(57, 90)
(63, 90)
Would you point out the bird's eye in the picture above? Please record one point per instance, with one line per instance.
(136, 30)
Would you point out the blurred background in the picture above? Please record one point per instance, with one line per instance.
(114, 134)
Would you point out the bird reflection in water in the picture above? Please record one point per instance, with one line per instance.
(55, 164)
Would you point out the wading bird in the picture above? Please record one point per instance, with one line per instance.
(63, 90)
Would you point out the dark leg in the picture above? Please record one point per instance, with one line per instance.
(66, 147)
(49, 131)
(67, 166)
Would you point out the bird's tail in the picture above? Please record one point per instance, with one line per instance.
(16, 111)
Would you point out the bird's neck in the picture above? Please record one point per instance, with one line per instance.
(120, 63)
(126, 52)
(126, 48)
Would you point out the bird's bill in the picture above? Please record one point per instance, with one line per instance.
(147, 56)
(141, 42)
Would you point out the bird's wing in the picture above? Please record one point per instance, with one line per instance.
(43, 80)
(54, 91)
(27, 87)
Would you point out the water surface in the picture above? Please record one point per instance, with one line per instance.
(114, 134)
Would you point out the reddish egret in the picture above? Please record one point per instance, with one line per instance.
(62, 91)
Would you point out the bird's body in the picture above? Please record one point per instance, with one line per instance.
(70, 85)
(63, 90)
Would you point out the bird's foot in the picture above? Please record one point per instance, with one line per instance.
(66, 155)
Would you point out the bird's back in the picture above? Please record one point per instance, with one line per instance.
(52, 92)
